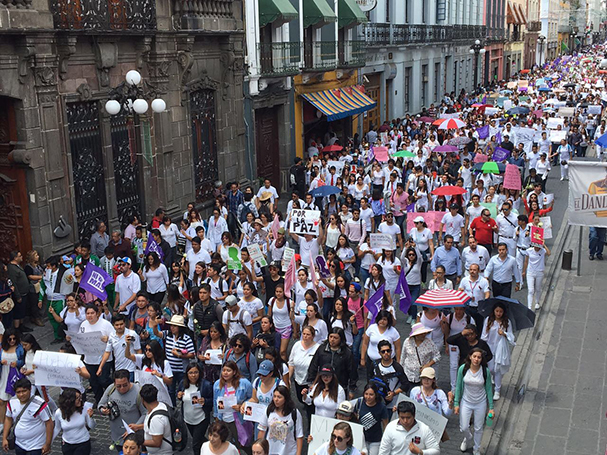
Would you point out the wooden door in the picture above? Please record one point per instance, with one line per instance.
(372, 117)
(266, 138)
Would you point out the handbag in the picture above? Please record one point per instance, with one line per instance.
(11, 434)
(7, 305)
(244, 428)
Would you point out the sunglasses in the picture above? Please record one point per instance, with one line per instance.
(385, 351)
(12, 338)
(337, 438)
(238, 346)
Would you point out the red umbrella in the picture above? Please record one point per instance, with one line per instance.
(443, 298)
(451, 124)
(333, 148)
(449, 190)
(525, 71)
(602, 71)
(439, 121)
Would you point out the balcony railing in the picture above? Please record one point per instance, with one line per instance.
(352, 54)
(279, 59)
(200, 14)
(320, 55)
(496, 34)
(104, 15)
(402, 34)
(564, 28)
(534, 26)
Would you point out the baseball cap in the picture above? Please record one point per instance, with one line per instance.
(126, 260)
(345, 408)
(327, 369)
(265, 368)
(231, 300)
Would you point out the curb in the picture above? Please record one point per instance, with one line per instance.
(506, 410)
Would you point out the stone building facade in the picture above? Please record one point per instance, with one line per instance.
(65, 162)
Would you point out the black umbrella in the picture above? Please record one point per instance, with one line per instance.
(521, 316)
(569, 85)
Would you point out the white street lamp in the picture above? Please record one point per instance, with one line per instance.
(133, 77)
(159, 105)
(140, 106)
(112, 107)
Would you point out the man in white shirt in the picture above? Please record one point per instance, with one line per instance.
(128, 284)
(390, 227)
(475, 254)
(116, 345)
(34, 431)
(477, 288)
(205, 243)
(156, 426)
(535, 263)
(407, 436)
(236, 320)
(194, 256)
(366, 214)
(507, 224)
(452, 224)
(267, 187)
(473, 211)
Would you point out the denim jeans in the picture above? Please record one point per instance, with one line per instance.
(596, 240)
(177, 378)
(357, 339)
(414, 290)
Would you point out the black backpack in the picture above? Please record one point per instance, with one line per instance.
(177, 423)
(246, 209)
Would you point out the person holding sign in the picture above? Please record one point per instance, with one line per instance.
(407, 436)
(196, 396)
(535, 264)
(341, 442)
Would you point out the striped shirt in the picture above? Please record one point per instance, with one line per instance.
(183, 343)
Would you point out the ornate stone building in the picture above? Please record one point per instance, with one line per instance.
(65, 162)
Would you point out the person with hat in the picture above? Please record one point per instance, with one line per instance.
(179, 350)
(429, 395)
(452, 224)
(259, 235)
(325, 393)
(236, 320)
(128, 284)
(264, 385)
(418, 352)
(278, 245)
(408, 436)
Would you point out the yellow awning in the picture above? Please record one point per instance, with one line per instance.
(341, 102)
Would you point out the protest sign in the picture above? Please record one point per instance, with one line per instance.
(480, 158)
(429, 219)
(554, 122)
(381, 154)
(525, 135)
(566, 111)
(433, 419)
(595, 110)
(507, 104)
(234, 258)
(537, 236)
(321, 429)
(214, 358)
(548, 199)
(153, 247)
(94, 280)
(254, 412)
(384, 138)
(224, 404)
(546, 224)
(339, 166)
(558, 135)
(257, 255)
(286, 258)
(512, 177)
(491, 111)
(305, 222)
(57, 369)
(88, 344)
(500, 154)
(380, 242)
(323, 268)
(145, 377)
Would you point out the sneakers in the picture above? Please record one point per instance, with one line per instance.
(591, 257)
(599, 257)
(463, 446)
(537, 306)
(496, 396)
(562, 178)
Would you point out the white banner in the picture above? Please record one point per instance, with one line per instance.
(587, 193)
(339, 167)
(566, 111)
(380, 242)
(145, 377)
(554, 122)
(57, 369)
(305, 222)
(525, 135)
(558, 135)
(322, 427)
(434, 420)
(88, 344)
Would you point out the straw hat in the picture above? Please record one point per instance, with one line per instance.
(177, 320)
(419, 329)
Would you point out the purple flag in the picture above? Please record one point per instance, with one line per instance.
(153, 247)
(402, 289)
(95, 279)
(498, 137)
(374, 302)
(500, 154)
(370, 155)
(483, 132)
(485, 99)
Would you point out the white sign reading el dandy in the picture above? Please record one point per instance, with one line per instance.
(587, 193)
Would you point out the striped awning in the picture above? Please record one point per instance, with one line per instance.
(341, 102)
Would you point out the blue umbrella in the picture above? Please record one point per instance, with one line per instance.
(544, 89)
(325, 190)
(519, 110)
(602, 141)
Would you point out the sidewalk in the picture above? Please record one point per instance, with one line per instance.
(561, 394)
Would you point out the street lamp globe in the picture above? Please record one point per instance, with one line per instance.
(140, 106)
(112, 107)
(472, 51)
(133, 77)
(477, 42)
(603, 64)
(159, 105)
(483, 50)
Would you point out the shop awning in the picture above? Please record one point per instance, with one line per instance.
(271, 11)
(521, 13)
(341, 102)
(350, 14)
(318, 12)
(513, 14)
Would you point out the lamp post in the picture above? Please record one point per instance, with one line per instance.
(131, 95)
(573, 44)
(476, 49)
(540, 41)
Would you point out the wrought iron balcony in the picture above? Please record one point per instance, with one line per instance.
(320, 55)
(496, 34)
(534, 26)
(18, 4)
(352, 54)
(201, 14)
(564, 28)
(279, 59)
(103, 15)
(402, 34)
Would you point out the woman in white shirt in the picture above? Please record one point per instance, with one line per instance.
(340, 443)
(72, 315)
(422, 236)
(196, 395)
(75, 422)
(301, 287)
(283, 432)
(360, 189)
(382, 329)
(378, 178)
(156, 277)
(252, 304)
(326, 393)
(497, 332)
(346, 255)
(314, 319)
(300, 358)
(391, 270)
(153, 361)
(247, 230)
(169, 231)
(218, 441)
(333, 231)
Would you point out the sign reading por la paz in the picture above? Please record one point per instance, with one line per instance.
(305, 222)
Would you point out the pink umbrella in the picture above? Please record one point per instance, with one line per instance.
(446, 149)
(451, 124)
(538, 114)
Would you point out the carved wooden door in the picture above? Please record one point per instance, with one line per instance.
(266, 137)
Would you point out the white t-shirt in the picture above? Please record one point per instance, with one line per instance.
(156, 280)
(300, 359)
(324, 450)
(368, 259)
(30, 432)
(158, 425)
(375, 337)
(386, 228)
(366, 215)
(537, 261)
(194, 258)
(117, 345)
(102, 326)
(206, 449)
(127, 286)
(452, 225)
(474, 212)
(251, 307)
(281, 432)
(238, 323)
(422, 238)
(476, 290)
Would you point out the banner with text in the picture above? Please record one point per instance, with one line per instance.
(57, 369)
(587, 194)
(305, 222)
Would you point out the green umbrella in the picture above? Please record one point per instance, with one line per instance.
(490, 167)
(404, 154)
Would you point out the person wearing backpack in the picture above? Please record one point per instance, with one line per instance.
(158, 436)
(236, 320)
(472, 393)
(282, 413)
(373, 416)
(240, 353)
(389, 375)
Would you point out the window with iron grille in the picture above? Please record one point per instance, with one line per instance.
(204, 142)
(436, 80)
(407, 88)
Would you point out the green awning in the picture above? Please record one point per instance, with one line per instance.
(271, 11)
(350, 14)
(318, 12)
